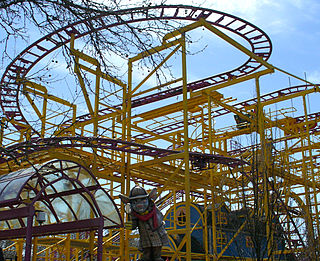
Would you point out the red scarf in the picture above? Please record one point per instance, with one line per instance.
(152, 214)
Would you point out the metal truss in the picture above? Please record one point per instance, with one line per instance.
(198, 168)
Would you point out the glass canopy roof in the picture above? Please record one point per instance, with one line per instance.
(65, 191)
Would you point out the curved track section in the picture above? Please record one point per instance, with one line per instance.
(26, 148)
(259, 42)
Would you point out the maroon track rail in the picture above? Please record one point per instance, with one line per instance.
(240, 107)
(259, 42)
(19, 150)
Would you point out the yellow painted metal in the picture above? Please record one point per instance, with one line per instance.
(41, 91)
(293, 165)
(158, 87)
(154, 50)
(91, 244)
(175, 107)
(35, 245)
(19, 249)
(155, 69)
(312, 168)
(157, 161)
(231, 82)
(186, 147)
(82, 84)
(233, 238)
(67, 248)
(263, 168)
(212, 182)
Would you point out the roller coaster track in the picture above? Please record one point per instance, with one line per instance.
(23, 149)
(266, 98)
(258, 41)
(241, 106)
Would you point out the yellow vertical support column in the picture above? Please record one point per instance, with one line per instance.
(123, 246)
(205, 225)
(67, 248)
(44, 114)
(287, 184)
(126, 135)
(213, 214)
(74, 118)
(309, 220)
(175, 210)
(95, 117)
(81, 254)
(128, 127)
(96, 102)
(104, 254)
(91, 245)
(264, 170)
(47, 255)
(186, 147)
(19, 249)
(77, 70)
(76, 255)
(311, 166)
(35, 247)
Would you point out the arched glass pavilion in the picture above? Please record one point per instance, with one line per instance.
(54, 198)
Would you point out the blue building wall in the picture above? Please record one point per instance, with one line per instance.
(227, 224)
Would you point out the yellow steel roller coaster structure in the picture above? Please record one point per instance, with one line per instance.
(222, 200)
